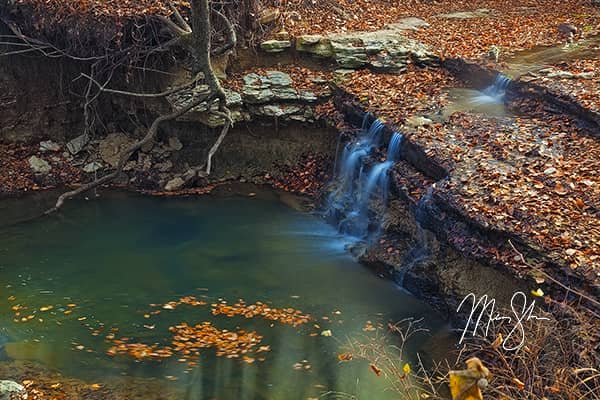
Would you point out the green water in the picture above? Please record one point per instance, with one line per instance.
(115, 256)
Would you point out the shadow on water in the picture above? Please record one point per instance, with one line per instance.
(113, 258)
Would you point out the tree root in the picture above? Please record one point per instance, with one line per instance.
(200, 49)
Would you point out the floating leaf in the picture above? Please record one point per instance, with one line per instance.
(375, 369)
(406, 368)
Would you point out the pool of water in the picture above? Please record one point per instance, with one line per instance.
(102, 270)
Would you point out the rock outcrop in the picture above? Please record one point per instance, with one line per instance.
(387, 50)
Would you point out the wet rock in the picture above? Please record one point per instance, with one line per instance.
(409, 23)
(112, 146)
(49, 145)
(10, 390)
(77, 144)
(39, 166)
(275, 46)
(92, 167)
(175, 144)
(174, 184)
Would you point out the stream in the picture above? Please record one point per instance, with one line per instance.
(107, 269)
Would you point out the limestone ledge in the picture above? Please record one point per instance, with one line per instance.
(386, 50)
(270, 95)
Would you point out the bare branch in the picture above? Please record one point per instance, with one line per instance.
(152, 132)
(172, 26)
(231, 36)
(147, 95)
(182, 22)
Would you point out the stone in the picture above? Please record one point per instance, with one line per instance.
(409, 23)
(279, 79)
(275, 86)
(416, 121)
(39, 166)
(77, 144)
(307, 96)
(275, 46)
(567, 29)
(550, 171)
(10, 390)
(164, 166)
(174, 184)
(175, 144)
(494, 53)
(49, 145)
(112, 146)
(92, 167)
(314, 44)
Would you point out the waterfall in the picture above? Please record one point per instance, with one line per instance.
(357, 183)
(495, 92)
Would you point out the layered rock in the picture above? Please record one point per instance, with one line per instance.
(386, 50)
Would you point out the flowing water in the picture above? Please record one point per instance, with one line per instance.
(489, 101)
(356, 183)
(101, 264)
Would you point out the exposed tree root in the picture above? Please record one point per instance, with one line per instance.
(198, 42)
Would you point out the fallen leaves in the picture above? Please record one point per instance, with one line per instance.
(287, 316)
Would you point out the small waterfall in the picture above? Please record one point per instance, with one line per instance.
(495, 92)
(358, 184)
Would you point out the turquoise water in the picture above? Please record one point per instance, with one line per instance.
(105, 262)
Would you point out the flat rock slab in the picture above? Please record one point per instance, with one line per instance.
(410, 23)
(386, 50)
(480, 13)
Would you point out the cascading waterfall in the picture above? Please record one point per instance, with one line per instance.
(495, 92)
(358, 184)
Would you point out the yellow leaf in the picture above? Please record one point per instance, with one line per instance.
(538, 292)
(406, 368)
(498, 342)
